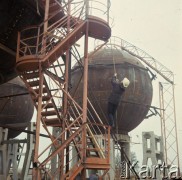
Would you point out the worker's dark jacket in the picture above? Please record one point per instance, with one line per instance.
(117, 91)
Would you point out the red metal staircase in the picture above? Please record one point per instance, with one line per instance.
(45, 47)
(42, 63)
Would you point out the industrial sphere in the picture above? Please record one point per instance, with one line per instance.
(135, 101)
(15, 111)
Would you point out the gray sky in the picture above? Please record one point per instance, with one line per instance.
(154, 26)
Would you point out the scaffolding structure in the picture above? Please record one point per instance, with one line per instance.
(168, 123)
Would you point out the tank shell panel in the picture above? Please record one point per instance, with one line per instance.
(137, 98)
(17, 109)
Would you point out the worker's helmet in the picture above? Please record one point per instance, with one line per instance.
(125, 82)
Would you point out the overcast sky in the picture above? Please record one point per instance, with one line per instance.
(154, 26)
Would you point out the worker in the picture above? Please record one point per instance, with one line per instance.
(118, 88)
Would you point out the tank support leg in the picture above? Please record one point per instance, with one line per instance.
(3, 154)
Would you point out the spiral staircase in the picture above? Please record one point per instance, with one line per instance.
(44, 54)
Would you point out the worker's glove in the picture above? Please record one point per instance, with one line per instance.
(115, 74)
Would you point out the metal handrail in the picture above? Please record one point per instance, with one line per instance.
(81, 11)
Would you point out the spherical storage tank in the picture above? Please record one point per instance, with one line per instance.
(15, 111)
(133, 107)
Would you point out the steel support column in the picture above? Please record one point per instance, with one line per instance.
(85, 89)
(36, 171)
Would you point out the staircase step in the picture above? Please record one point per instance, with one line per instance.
(44, 98)
(93, 155)
(53, 122)
(74, 129)
(92, 149)
(49, 105)
(97, 163)
(44, 90)
(34, 83)
(31, 75)
(49, 113)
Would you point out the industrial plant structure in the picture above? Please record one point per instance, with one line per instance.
(38, 43)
